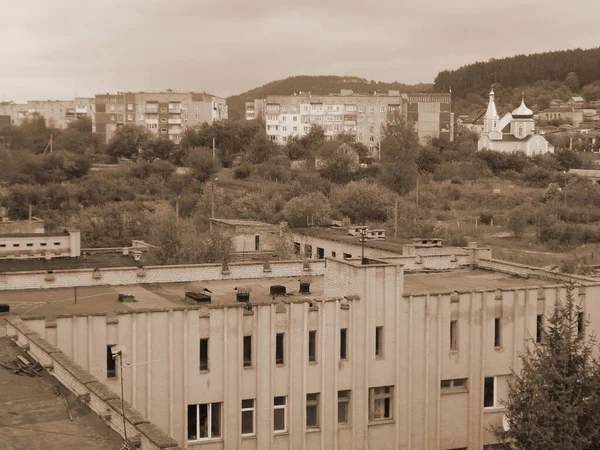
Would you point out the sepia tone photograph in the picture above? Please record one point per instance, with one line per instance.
(318, 225)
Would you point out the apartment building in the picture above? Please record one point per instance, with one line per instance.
(165, 114)
(57, 113)
(356, 114)
(374, 359)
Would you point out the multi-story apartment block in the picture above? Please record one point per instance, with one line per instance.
(58, 113)
(356, 114)
(165, 114)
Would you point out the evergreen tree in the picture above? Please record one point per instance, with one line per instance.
(572, 82)
(554, 402)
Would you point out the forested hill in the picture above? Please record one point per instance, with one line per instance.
(520, 70)
(317, 85)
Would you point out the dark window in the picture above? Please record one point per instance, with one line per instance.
(111, 363)
(29, 245)
(320, 253)
(257, 242)
(247, 351)
(343, 407)
(379, 342)
(248, 417)
(43, 244)
(203, 354)
(312, 410)
(344, 343)
(489, 398)
(3, 245)
(279, 349)
(497, 332)
(16, 245)
(347, 256)
(57, 244)
(204, 421)
(454, 335)
(333, 254)
(312, 346)
(279, 416)
(539, 330)
(580, 323)
(455, 385)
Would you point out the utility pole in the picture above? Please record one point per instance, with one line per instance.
(30, 211)
(177, 209)
(75, 295)
(396, 218)
(565, 190)
(417, 191)
(214, 152)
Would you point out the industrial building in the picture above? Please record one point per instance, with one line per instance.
(391, 351)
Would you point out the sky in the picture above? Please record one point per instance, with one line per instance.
(58, 49)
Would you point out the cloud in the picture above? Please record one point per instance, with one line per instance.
(59, 48)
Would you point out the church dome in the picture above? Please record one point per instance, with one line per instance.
(522, 112)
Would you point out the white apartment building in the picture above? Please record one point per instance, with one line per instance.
(375, 362)
(357, 114)
(58, 113)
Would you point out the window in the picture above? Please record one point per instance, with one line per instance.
(379, 342)
(312, 346)
(295, 118)
(489, 392)
(580, 324)
(382, 109)
(284, 128)
(56, 244)
(204, 421)
(371, 139)
(43, 244)
(380, 403)
(247, 351)
(163, 130)
(456, 385)
(29, 245)
(197, 117)
(203, 354)
(247, 417)
(111, 363)
(343, 407)
(130, 106)
(454, 335)
(163, 109)
(497, 333)
(539, 328)
(333, 254)
(312, 410)
(294, 129)
(279, 349)
(2, 245)
(163, 120)
(279, 414)
(344, 343)
(16, 245)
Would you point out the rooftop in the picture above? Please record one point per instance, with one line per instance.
(86, 261)
(391, 244)
(33, 416)
(243, 223)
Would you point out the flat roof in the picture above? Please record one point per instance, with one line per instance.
(390, 243)
(243, 222)
(104, 299)
(86, 261)
(463, 280)
(33, 416)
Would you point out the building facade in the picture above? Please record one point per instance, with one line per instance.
(360, 115)
(366, 366)
(40, 245)
(57, 113)
(164, 114)
(561, 114)
(514, 132)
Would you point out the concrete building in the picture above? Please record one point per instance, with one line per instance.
(514, 132)
(165, 114)
(57, 113)
(255, 109)
(405, 351)
(248, 235)
(360, 115)
(572, 114)
(40, 245)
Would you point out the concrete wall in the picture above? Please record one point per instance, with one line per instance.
(99, 398)
(162, 375)
(156, 274)
(41, 245)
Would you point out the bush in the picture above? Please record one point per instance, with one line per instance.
(241, 171)
(486, 218)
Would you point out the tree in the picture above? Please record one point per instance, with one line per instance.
(399, 151)
(201, 162)
(362, 202)
(159, 149)
(517, 219)
(128, 142)
(572, 82)
(313, 208)
(82, 125)
(314, 139)
(554, 401)
(261, 148)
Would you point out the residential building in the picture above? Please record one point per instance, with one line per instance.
(360, 115)
(514, 132)
(5, 121)
(591, 174)
(164, 114)
(378, 353)
(255, 109)
(57, 113)
(562, 114)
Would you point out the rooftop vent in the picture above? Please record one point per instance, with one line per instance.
(202, 296)
(243, 294)
(277, 289)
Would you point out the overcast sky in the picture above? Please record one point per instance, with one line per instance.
(56, 49)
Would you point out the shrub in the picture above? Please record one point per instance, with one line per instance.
(241, 171)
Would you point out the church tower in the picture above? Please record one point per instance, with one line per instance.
(491, 119)
(522, 124)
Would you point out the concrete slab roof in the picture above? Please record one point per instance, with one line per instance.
(33, 416)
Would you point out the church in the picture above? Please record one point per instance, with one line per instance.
(514, 132)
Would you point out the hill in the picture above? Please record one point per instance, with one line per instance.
(521, 70)
(317, 85)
